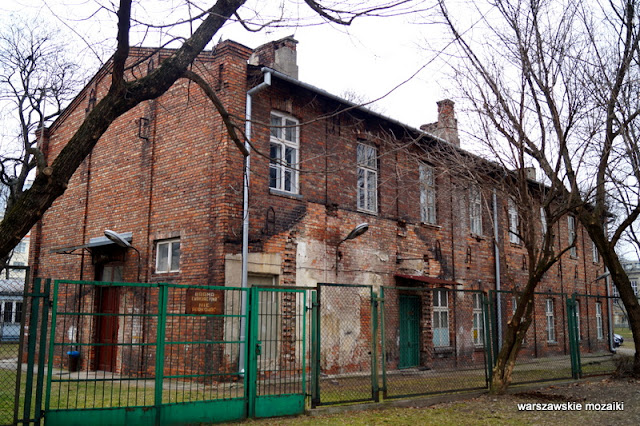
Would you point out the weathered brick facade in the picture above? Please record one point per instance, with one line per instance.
(168, 170)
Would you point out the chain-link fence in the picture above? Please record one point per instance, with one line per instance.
(434, 341)
(12, 286)
(594, 333)
(347, 346)
(545, 351)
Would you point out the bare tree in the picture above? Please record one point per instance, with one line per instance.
(125, 92)
(559, 79)
(37, 78)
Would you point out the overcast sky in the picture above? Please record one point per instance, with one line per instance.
(369, 58)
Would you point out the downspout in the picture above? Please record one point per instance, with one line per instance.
(496, 256)
(245, 214)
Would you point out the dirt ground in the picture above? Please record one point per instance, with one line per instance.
(597, 391)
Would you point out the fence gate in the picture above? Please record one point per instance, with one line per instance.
(177, 354)
(278, 352)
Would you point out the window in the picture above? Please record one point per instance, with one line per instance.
(283, 154)
(21, 247)
(578, 320)
(634, 286)
(11, 312)
(543, 221)
(599, 329)
(594, 252)
(478, 320)
(551, 326)
(514, 223)
(440, 318)
(427, 194)
(572, 235)
(475, 211)
(367, 178)
(168, 256)
(514, 305)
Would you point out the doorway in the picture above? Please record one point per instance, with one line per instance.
(108, 304)
(409, 331)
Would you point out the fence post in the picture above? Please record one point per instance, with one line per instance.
(375, 393)
(251, 376)
(163, 291)
(42, 346)
(383, 345)
(36, 296)
(486, 304)
(315, 350)
(573, 339)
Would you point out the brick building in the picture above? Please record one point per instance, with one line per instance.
(167, 177)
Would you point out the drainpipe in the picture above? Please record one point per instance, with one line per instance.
(496, 256)
(245, 214)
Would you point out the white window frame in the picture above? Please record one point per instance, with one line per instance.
(594, 252)
(284, 151)
(599, 324)
(571, 229)
(367, 173)
(171, 265)
(475, 210)
(440, 317)
(478, 320)
(12, 317)
(551, 325)
(427, 194)
(514, 222)
(634, 287)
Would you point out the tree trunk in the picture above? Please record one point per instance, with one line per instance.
(516, 330)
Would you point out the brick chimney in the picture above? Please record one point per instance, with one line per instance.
(279, 55)
(447, 126)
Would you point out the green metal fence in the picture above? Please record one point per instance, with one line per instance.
(127, 353)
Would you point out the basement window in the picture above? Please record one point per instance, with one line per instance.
(168, 256)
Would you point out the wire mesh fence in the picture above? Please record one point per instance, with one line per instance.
(12, 287)
(594, 318)
(545, 353)
(433, 341)
(348, 341)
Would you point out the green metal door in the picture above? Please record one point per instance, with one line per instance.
(278, 352)
(409, 331)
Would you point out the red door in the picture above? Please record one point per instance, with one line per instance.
(108, 302)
